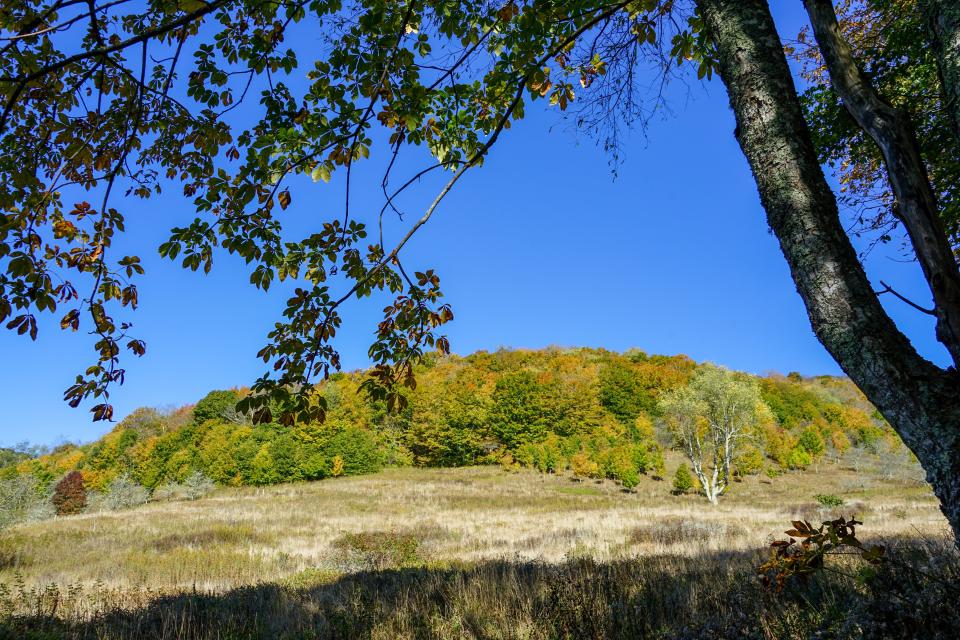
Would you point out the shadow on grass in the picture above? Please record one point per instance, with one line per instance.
(707, 596)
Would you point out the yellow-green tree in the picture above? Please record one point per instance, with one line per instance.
(710, 419)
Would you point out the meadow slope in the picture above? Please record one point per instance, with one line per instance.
(366, 552)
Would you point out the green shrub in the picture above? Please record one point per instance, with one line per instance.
(622, 393)
(840, 442)
(828, 500)
(379, 550)
(749, 462)
(263, 469)
(144, 422)
(543, 408)
(69, 495)
(620, 463)
(812, 441)
(682, 479)
(798, 458)
(654, 459)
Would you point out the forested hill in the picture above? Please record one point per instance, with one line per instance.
(589, 410)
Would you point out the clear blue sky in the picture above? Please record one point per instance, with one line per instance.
(541, 246)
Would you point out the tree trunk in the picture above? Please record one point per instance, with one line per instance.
(917, 398)
(943, 20)
(916, 203)
(701, 477)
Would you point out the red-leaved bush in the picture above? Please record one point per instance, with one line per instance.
(69, 496)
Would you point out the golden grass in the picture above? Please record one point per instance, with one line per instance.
(475, 553)
(245, 536)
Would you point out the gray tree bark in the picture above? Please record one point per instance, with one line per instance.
(916, 397)
(916, 203)
(943, 20)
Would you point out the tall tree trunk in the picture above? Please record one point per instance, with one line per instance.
(917, 398)
(916, 203)
(943, 20)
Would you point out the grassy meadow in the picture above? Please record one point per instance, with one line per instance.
(478, 552)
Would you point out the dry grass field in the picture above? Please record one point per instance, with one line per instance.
(451, 553)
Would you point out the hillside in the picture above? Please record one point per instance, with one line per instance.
(535, 409)
(556, 522)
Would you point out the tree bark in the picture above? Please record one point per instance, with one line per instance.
(943, 21)
(916, 397)
(916, 205)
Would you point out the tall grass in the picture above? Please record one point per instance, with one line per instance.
(477, 553)
(711, 596)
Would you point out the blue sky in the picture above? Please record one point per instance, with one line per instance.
(541, 246)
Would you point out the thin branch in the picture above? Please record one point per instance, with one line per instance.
(888, 289)
(100, 52)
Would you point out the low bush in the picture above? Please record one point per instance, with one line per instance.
(23, 500)
(673, 531)
(194, 487)
(124, 493)
(379, 550)
(828, 500)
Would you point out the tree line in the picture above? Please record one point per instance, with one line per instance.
(589, 412)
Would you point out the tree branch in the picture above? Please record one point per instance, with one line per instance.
(916, 202)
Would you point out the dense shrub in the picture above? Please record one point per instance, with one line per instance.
(828, 500)
(359, 450)
(812, 441)
(69, 495)
(793, 404)
(9, 458)
(682, 479)
(379, 550)
(797, 459)
(583, 467)
(144, 422)
(545, 457)
(622, 464)
(748, 462)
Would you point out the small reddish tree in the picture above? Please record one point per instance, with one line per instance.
(69, 496)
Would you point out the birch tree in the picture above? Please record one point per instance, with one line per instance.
(710, 419)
